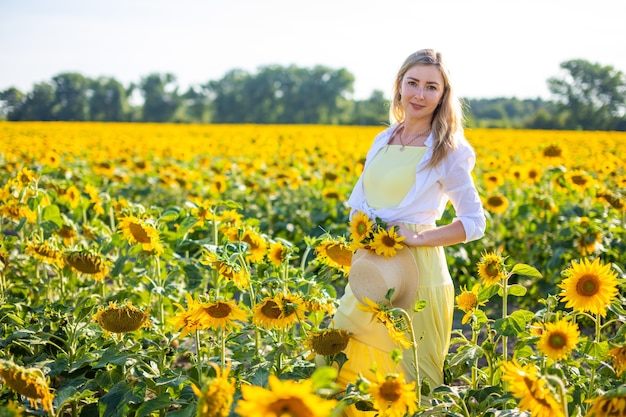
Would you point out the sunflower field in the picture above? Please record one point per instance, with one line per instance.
(193, 270)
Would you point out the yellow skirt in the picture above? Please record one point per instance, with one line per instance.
(370, 343)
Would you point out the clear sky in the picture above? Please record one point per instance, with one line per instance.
(495, 48)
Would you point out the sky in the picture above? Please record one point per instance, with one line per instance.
(494, 48)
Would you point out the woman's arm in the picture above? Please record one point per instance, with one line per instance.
(447, 235)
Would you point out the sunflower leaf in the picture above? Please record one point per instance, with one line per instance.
(526, 270)
(517, 290)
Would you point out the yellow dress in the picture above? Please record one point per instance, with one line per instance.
(386, 181)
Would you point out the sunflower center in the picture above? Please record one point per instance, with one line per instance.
(219, 310)
(290, 407)
(552, 151)
(271, 309)
(495, 201)
(139, 233)
(390, 390)
(492, 269)
(587, 286)
(557, 340)
(467, 301)
(579, 180)
(388, 241)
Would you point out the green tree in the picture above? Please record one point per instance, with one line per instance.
(590, 95)
(10, 100)
(161, 98)
(38, 104)
(108, 101)
(373, 111)
(71, 96)
(196, 105)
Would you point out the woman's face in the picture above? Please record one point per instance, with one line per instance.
(421, 91)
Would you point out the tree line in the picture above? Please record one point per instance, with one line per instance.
(586, 96)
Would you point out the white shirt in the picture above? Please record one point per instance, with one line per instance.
(426, 201)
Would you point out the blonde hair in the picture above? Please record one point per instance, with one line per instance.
(447, 119)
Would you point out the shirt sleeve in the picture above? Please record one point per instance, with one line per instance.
(458, 184)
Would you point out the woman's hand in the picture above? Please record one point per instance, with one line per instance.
(413, 238)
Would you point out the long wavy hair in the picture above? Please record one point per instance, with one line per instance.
(447, 121)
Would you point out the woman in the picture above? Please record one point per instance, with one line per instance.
(412, 170)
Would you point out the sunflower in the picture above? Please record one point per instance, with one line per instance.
(140, 231)
(493, 180)
(216, 398)
(496, 203)
(533, 394)
(589, 286)
(51, 159)
(383, 315)
(589, 243)
(468, 302)
(26, 176)
(45, 252)
(579, 180)
(360, 226)
(257, 246)
(87, 263)
(611, 404)
(121, 319)
(220, 314)
(386, 242)
(392, 396)
(279, 311)
(67, 233)
(187, 320)
(491, 268)
(283, 398)
(278, 253)
(227, 269)
(618, 354)
(558, 339)
(335, 253)
(72, 196)
(328, 342)
(29, 382)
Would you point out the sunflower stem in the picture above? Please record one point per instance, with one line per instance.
(505, 314)
(198, 356)
(418, 382)
(592, 376)
(223, 346)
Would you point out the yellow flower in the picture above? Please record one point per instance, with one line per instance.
(468, 302)
(87, 263)
(386, 242)
(360, 226)
(558, 339)
(45, 252)
(121, 319)
(335, 253)
(579, 180)
(278, 312)
(29, 382)
(139, 231)
(395, 327)
(611, 404)
(187, 320)
(392, 396)
(533, 394)
(491, 268)
(496, 203)
(619, 359)
(328, 342)
(216, 398)
(72, 196)
(220, 314)
(589, 286)
(282, 399)
(257, 246)
(278, 253)
(227, 269)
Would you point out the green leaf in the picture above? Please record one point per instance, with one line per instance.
(517, 290)
(515, 324)
(116, 402)
(419, 306)
(53, 214)
(159, 403)
(526, 270)
(323, 377)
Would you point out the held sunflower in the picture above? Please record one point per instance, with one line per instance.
(386, 242)
(589, 286)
